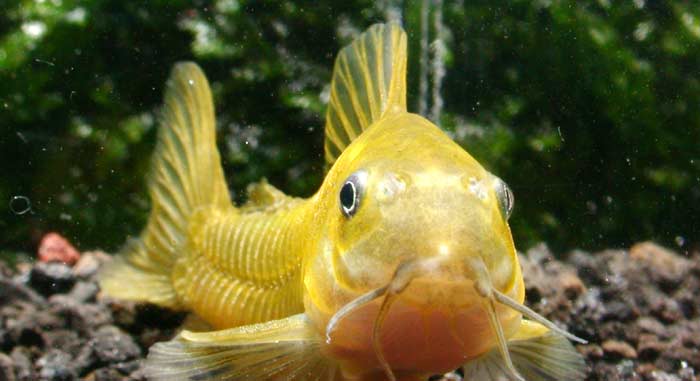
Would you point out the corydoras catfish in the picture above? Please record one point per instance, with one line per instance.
(401, 266)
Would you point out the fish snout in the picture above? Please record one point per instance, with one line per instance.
(444, 279)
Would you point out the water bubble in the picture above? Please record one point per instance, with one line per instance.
(20, 205)
(680, 241)
(191, 82)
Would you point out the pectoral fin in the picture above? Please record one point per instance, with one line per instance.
(537, 353)
(285, 349)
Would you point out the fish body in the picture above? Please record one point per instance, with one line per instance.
(401, 266)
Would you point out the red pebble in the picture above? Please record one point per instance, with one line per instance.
(54, 248)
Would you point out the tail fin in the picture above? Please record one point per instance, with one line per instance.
(186, 175)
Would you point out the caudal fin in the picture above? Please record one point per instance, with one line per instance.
(186, 175)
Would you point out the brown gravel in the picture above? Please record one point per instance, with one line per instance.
(639, 309)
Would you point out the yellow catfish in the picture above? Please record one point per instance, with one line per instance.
(401, 266)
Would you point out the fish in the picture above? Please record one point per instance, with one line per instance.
(401, 266)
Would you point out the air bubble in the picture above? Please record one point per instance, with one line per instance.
(20, 205)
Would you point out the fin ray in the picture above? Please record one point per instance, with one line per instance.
(281, 349)
(185, 175)
(369, 79)
(537, 353)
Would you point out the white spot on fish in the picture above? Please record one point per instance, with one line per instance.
(477, 188)
(390, 187)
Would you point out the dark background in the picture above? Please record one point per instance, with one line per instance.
(588, 110)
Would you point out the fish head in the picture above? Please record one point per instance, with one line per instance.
(404, 195)
(405, 192)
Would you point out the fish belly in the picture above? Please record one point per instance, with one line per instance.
(414, 340)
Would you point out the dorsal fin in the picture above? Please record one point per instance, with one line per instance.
(369, 79)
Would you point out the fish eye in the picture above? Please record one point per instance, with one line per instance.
(350, 193)
(505, 197)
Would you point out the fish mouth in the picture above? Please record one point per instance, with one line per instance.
(473, 289)
(419, 272)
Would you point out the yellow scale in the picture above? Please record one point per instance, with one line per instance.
(401, 266)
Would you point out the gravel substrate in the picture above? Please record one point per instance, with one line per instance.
(640, 310)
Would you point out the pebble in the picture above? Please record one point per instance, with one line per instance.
(572, 284)
(107, 374)
(112, 345)
(619, 348)
(7, 372)
(651, 325)
(81, 317)
(26, 331)
(650, 347)
(11, 291)
(620, 310)
(666, 267)
(64, 339)
(54, 248)
(84, 291)
(21, 358)
(89, 263)
(590, 350)
(5, 271)
(667, 310)
(50, 278)
(56, 365)
(658, 375)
